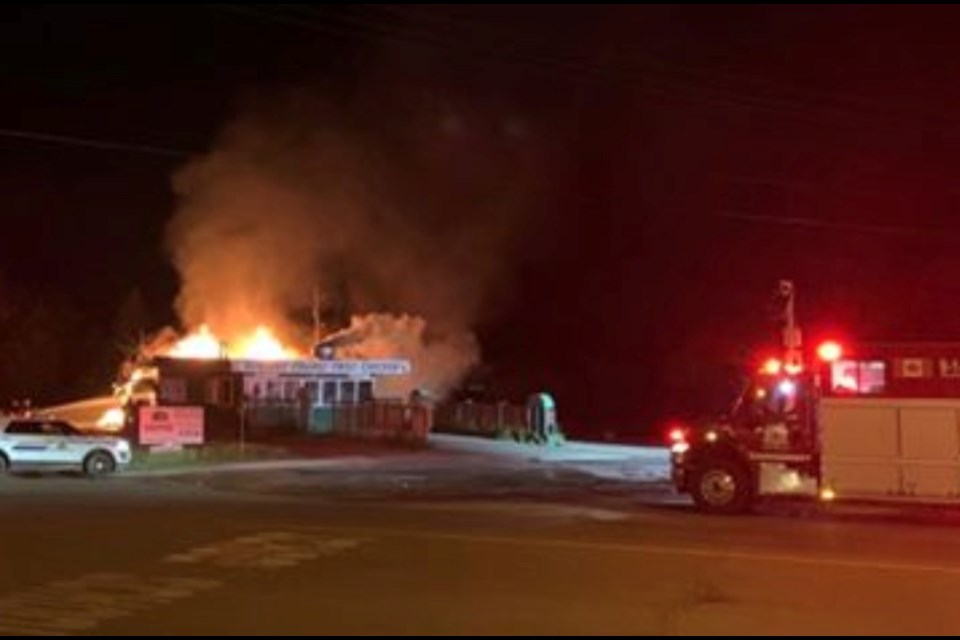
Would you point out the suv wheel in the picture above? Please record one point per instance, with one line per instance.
(99, 463)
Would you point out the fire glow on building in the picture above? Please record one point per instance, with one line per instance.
(257, 377)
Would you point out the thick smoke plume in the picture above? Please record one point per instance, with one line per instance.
(440, 360)
(409, 215)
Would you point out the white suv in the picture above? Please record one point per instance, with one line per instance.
(47, 443)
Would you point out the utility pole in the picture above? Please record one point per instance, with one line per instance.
(792, 340)
(317, 327)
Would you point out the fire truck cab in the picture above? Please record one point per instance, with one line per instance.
(766, 445)
(872, 423)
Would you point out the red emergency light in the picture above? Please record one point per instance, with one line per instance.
(771, 367)
(829, 351)
(793, 368)
(678, 440)
(677, 434)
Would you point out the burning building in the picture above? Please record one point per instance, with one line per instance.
(256, 385)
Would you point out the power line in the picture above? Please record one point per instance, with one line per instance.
(92, 143)
(814, 223)
(357, 26)
(353, 25)
(857, 103)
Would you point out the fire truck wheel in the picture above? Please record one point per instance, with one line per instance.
(99, 463)
(721, 486)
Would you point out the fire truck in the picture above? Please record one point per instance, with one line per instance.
(877, 422)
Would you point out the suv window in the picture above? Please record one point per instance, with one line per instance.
(24, 427)
(55, 428)
(65, 428)
(40, 427)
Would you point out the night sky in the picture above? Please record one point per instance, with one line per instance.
(688, 158)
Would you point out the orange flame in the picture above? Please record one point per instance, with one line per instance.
(201, 344)
(260, 345)
(112, 419)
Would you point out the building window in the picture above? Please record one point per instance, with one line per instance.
(365, 391)
(329, 392)
(220, 391)
(173, 390)
(348, 392)
(858, 377)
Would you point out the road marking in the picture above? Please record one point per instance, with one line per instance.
(664, 550)
(269, 550)
(65, 607)
(544, 510)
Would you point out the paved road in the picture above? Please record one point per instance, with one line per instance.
(277, 554)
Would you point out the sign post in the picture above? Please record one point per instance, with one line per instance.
(243, 425)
